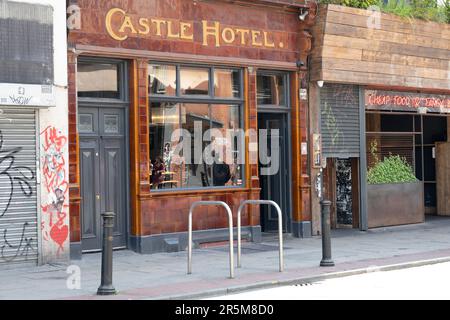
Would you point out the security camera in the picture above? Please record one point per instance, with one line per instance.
(320, 83)
(300, 63)
(302, 16)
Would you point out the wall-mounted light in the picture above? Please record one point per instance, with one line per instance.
(422, 110)
(300, 63)
(320, 83)
(302, 16)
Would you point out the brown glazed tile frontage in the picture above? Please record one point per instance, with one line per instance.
(168, 214)
(277, 37)
(74, 182)
(265, 33)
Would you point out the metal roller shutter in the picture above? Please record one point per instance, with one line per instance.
(340, 120)
(18, 187)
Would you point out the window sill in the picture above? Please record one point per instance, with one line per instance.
(192, 192)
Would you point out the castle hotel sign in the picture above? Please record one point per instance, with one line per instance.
(120, 26)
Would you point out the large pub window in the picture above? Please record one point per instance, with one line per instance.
(203, 104)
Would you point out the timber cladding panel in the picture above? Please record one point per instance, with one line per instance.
(397, 52)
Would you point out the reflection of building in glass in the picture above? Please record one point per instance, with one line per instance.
(216, 123)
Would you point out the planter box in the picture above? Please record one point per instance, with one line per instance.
(395, 204)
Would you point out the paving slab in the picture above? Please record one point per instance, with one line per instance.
(163, 275)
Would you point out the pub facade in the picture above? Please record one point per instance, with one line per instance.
(149, 78)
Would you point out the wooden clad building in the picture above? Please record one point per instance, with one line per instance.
(141, 72)
(354, 46)
(381, 83)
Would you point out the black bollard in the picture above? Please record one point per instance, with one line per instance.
(106, 288)
(327, 261)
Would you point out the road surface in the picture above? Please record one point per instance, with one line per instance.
(424, 283)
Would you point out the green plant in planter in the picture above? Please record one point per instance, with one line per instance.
(393, 169)
(429, 10)
(364, 4)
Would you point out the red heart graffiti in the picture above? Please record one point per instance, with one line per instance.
(59, 235)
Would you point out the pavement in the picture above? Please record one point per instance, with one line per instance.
(164, 275)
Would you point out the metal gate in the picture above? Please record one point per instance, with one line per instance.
(18, 187)
(340, 121)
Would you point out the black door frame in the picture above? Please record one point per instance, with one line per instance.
(122, 103)
(286, 111)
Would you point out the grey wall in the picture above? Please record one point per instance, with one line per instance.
(26, 46)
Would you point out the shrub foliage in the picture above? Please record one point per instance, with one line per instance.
(392, 169)
(418, 9)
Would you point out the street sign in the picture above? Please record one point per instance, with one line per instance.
(27, 95)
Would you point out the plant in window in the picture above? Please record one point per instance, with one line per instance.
(393, 169)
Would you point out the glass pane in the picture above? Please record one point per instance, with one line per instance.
(434, 129)
(227, 83)
(271, 90)
(194, 81)
(419, 163)
(418, 123)
(227, 145)
(175, 168)
(111, 123)
(397, 123)
(430, 195)
(98, 80)
(165, 166)
(86, 123)
(162, 80)
(197, 115)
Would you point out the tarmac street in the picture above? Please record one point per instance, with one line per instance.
(429, 282)
(164, 276)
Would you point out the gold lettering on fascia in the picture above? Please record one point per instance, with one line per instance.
(121, 25)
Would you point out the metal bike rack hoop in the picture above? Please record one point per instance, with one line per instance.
(230, 228)
(280, 228)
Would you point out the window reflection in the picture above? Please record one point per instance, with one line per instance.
(162, 80)
(194, 81)
(225, 121)
(98, 80)
(164, 121)
(218, 163)
(271, 90)
(227, 83)
(195, 145)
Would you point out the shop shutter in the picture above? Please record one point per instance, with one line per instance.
(18, 189)
(340, 121)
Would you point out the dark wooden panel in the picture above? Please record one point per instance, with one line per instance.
(443, 178)
(89, 183)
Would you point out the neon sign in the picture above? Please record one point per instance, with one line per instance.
(403, 101)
